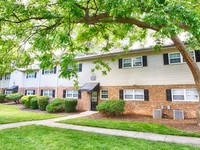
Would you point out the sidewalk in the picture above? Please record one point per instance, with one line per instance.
(141, 135)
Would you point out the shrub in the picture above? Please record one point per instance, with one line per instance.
(111, 107)
(42, 102)
(33, 103)
(2, 98)
(14, 97)
(57, 105)
(70, 105)
(26, 101)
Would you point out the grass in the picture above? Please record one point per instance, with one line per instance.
(10, 114)
(130, 126)
(40, 137)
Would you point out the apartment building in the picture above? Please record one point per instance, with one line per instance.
(145, 79)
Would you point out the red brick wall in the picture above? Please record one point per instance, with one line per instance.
(157, 97)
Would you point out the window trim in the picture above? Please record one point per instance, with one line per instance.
(181, 57)
(48, 71)
(7, 75)
(133, 92)
(72, 94)
(132, 62)
(102, 94)
(184, 94)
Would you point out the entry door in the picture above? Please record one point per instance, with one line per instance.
(94, 100)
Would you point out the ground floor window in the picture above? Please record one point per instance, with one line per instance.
(30, 92)
(184, 95)
(71, 94)
(104, 94)
(49, 93)
(133, 94)
(7, 92)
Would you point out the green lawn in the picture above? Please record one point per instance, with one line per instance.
(46, 138)
(10, 114)
(130, 126)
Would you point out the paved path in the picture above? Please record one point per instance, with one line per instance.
(148, 136)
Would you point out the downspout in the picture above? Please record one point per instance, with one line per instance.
(39, 80)
(57, 82)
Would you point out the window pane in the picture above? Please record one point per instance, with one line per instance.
(128, 94)
(178, 97)
(175, 58)
(191, 94)
(104, 94)
(178, 92)
(127, 62)
(137, 61)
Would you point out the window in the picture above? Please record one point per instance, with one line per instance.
(132, 62)
(31, 75)
(7, 92)
(134, 94)
(49, 93)
(0, 77)
(71, 93)
(48, 71)
(79, 67)
(7, 77)
(30, 92)
(175, 58)
(184, 95)
(104, 94)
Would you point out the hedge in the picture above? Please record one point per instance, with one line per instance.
(26, 101)
(57, 105)
(33, 103)
(2, 98)
(42, 102)
(14, 97)
(70, 105)
(111, 107)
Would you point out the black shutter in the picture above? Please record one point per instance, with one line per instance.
(197, 55)
(33, 92)
(144, 60)
(4, 91)
(80, 67)
(121, 94)
(0, 77)
(169, 94)
(146, 95)
(35, 74)
(26, 75)
(120, 63)
(54, 70)
(79, 94)
(166, 59)
(53, 94)
(41, 93)
(42, 71)
(25, 92)
(64, 93)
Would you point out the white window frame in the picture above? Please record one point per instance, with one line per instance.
(74, 94)
(132, 60)
(181, 57)
(7, 92)
(184, 95)
(7, 77)
(30, 92)
(103, 94)
(48, 93)
(133, 94)
(30, 75)
(48, 71)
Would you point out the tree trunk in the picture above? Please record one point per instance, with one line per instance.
(193, 67)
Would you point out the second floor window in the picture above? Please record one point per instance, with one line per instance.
(49, 71)
(7, 77)
(175, 58)
(31, 75)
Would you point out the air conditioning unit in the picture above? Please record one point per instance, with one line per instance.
(178, 114)
(157, 113)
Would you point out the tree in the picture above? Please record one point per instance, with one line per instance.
(70, 27)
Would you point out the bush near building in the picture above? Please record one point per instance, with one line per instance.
(33, 103)
(14, 97)
(70, 105)
(26, 101)
(42, 102)
(111, 107)
(57, 105)
(2, 98)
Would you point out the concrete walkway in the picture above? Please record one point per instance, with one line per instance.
(148, 136)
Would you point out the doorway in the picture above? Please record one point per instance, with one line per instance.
(94, 100)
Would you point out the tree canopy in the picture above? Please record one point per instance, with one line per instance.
(57, 30)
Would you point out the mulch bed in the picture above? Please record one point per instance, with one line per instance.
(189, 125)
